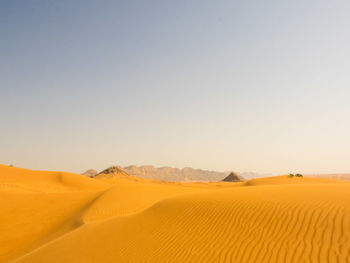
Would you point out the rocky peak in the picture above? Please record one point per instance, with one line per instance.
(232, 177)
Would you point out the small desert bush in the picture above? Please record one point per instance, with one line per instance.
(296, 175)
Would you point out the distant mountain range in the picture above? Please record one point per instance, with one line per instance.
(174, 174)
(90, 173)
(171, 174)
(344, 177)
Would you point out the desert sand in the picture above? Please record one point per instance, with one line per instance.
(65, 217)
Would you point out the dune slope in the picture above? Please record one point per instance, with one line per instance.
(127, 197)
(37, 207)
(275, 221)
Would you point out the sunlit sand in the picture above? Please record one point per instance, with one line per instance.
(65, 217)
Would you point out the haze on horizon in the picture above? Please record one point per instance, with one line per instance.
(219, 85)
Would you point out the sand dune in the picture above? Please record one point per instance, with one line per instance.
(19, 179)
(125, 219)
(39, 206)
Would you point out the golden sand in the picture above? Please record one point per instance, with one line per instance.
(64, 217)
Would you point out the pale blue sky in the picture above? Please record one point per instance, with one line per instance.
(258, 86)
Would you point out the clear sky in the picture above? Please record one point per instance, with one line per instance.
(258, 86)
